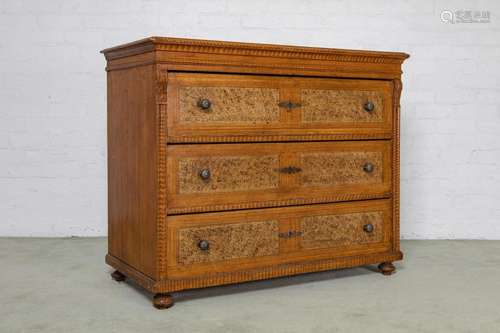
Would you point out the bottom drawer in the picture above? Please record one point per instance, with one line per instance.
(229, 241)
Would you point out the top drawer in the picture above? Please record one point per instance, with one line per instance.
(225, 108)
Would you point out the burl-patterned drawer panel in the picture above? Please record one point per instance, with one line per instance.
(341, 168)
(334, 230)
(213, 177)
(228, 173)
(342, 106)
(229, 241)
(228, 105)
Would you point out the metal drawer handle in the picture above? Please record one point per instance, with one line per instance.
(203, 245)
(290, 234)
(290, 170)
(369, 106)
(205, 174)
(368, 167)
(289, 105)
(204, 103)
(368, 228)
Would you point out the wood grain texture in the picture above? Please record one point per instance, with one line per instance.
(159, 139)
(132, 167)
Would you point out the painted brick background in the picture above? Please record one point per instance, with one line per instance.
(52, 93)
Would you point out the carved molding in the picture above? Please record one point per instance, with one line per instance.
(214, 65)
(261, 273)
(291, 202)
(396, 162)
(161, 197)
(252, 49)
(275, 271)
(273, 138)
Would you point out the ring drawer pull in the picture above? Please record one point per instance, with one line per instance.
(368, 167)
(205, 174)
(290, 170)
(204, 245)
(369, 106)
(289, 105)
(204, 104)
(368, 228)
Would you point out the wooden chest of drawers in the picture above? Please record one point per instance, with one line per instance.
(231, 162)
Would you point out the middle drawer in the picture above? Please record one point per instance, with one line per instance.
(217, 177)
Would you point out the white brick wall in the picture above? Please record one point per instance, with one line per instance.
(52, 93)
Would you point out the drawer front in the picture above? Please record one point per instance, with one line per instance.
(223, 177)
(220, 242)
(224, 107)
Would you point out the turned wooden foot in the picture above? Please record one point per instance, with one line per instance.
(163, 301)
(117, 276)
(386, 268)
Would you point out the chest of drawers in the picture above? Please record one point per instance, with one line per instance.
(231, 162)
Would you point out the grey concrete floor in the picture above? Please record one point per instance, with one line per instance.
(63, 285)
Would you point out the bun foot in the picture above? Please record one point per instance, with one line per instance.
(117, 276)
(386, 268)
(163, 301)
